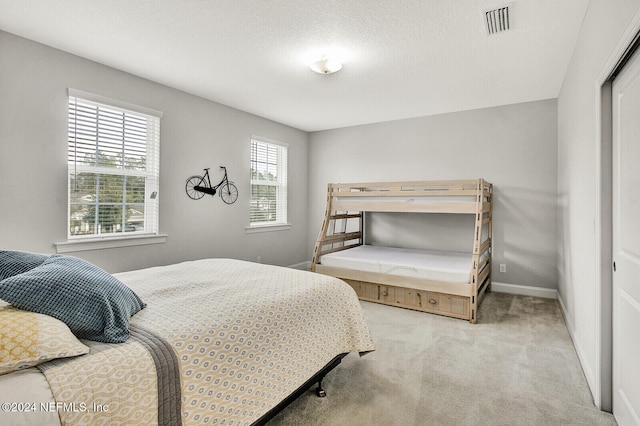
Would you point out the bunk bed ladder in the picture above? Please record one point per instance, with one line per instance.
(481, 278)
(336, 239)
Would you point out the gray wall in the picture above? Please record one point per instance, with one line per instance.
(195, 134)
(514, 147)
(607, 28)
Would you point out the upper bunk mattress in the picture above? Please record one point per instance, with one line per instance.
(427, 264)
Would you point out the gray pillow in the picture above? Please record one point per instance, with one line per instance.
(16, 262)
(93, 304)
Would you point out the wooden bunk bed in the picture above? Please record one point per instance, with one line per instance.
(343, 230)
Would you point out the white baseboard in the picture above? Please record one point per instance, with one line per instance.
(586, 369)
(303, 266)
(525, 290)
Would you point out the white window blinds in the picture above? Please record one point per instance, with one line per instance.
(268, 167)
(113, 163)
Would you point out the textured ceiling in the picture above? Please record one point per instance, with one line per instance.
(402, 58)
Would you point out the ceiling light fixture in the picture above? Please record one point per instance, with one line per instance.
(326, 65)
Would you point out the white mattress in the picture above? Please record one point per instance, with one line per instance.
(427, 264)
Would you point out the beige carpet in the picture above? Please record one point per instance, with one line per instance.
(517, 366)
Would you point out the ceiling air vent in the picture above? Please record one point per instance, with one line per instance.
(497, 20)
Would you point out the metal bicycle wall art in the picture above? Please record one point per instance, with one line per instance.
(198, 186)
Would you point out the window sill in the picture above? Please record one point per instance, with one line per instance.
(108, 242)
(268, 228)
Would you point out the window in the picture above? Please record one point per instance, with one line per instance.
(268, 183)
(113, 168)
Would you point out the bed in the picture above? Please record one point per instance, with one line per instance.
(215, 341)
(445, 282)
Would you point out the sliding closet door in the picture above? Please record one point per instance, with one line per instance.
(626, 244)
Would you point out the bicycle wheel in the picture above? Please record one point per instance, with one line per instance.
(192, 182)
(229, 193)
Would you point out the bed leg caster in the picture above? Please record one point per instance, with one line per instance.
(320, 391)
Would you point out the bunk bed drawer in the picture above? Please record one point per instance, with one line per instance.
(426, 301)
(454, 304)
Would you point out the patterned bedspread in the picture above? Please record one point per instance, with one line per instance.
(220, 342)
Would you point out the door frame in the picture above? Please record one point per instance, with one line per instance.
(626, 46)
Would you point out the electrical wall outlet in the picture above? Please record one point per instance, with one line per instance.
(259, 259)
(503, 268)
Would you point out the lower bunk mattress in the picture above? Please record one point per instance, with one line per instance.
(426, 264)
